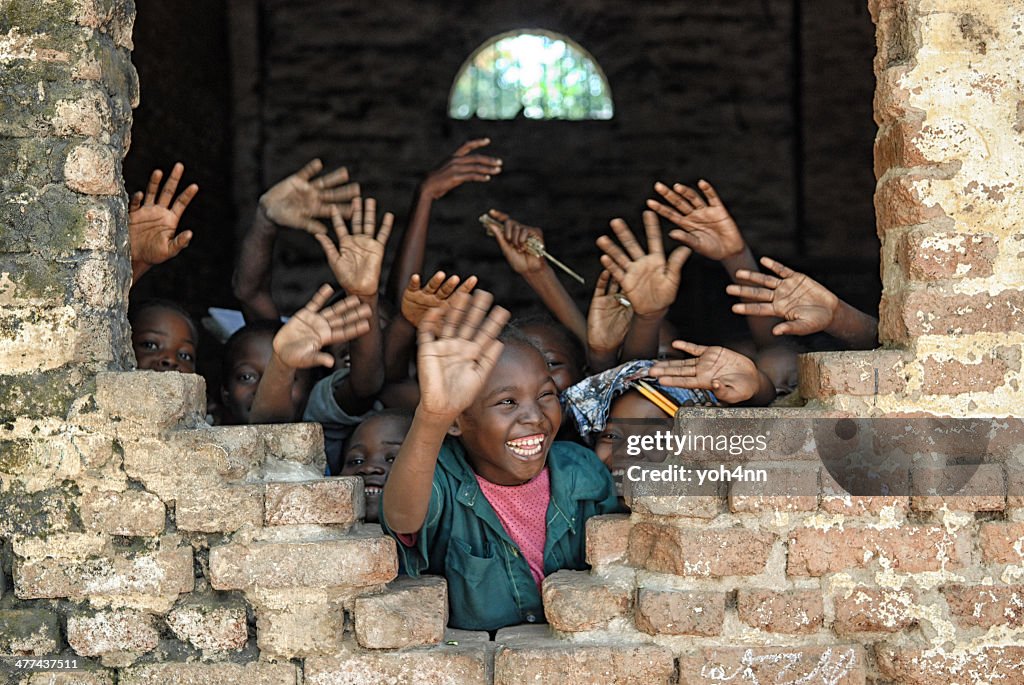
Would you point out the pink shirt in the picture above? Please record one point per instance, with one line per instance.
(523, 511)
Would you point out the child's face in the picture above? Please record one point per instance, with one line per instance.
(630, 414)
(563, 367)
(245, 368)
(371, 451)
(164, 340)
(510, 426)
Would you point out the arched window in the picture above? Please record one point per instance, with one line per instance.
(544, 75)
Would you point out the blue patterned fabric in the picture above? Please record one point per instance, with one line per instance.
(590, 400)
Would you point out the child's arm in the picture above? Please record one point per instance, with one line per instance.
(806, 305)
(648, 280)
(356, 263)
(299, 345)
(734, 378)
(153, 221)
(417, 300)
(296, 202)
(537, 273)
(462, 167)
(607, 324)
(708, 229)
(458, 348)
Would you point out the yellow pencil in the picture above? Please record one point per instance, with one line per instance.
(656, 398)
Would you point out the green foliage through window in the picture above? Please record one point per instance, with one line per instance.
(539, 74)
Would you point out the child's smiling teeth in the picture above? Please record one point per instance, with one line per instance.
(530, 446)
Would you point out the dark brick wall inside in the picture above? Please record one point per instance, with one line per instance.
(708, 90)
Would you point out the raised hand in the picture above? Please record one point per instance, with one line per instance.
(300, 342)
(417, 300)
(153, 221)
(648, 280)
(356, 261)
(461, 168)
(706, 227)
(458, 348)
(512, 242)
(806, 305)
(731, 376)
(299, 200)
(608, 319)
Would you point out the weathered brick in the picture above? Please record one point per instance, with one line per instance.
(679, 612)
(442, 665)
(118, 637)
(219, 509)
(832, 664)
(899, 201)
(302, 443)
(338, 561)
(868, 609)
(1002, 543)
(895, 145)
(788, 489)
(534, 661)
(300, 629)
(932, 256)
(210, 624)
(607, 538)
(953, 376)
(29, 632)
(151, 401)
(132, 512)
(92, 169)
(861, 374)
(909, 314)
(980, 487)
(410, 612)
(791, 611)
(333, 501)
(684, 506)
(575, 601)
(708, 552)
(255, 673)
(92, 677)
(985, 606)
(909, 549)
(909, 666)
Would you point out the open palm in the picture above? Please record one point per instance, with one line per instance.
(706, 227)
(731, 376)
(299, 200)
(357, 259)
(806, 305)
(608, 318)
(153, 220)
(300, 342)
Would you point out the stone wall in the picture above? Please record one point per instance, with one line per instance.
(154, 549)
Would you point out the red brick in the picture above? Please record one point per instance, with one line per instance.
(929, 256)
(706, 552)
(575, 601)
(856, 373)
(787, 489)
(832, 664)
(411, 611)
(1002, 543)
(791, 611)
(979, 487)
(932, 311)
(868, 609)
(607, 538)
(895, 145)
(985, 606)
(911, 549)
(680, 612)
(908, 666)
(332, 501)
(954, 377)
(555, 661)
(897, 202)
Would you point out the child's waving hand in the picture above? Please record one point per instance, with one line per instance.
(512, 242)
(300, 341)
(153, 221)
(731, 376)
(356, 261)
(458, 348)
(461, 168)
(704, 226)
(418, 299)
(299, 200)
(607, 322)
(648, 280)
(806, 305)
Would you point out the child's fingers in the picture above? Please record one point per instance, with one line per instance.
(491, 327)
(343, 193)
(311, 169)
(652, 227)
(324, 359)
(675, 367)
(335, 178)
(626, 237)
(479, 306)
(678, 258)
(491, 352)
(369, 218)
(171, 185)
(710, 193)
(684, 237)
(673, 198)
(339, 224)
(346, 311)
(357, 214)
(498, 215)
(794, 328)
(180, 242)
(691, 195)
(749, 292)
(468, 285)
(430, 325)
(666, 212)
(433, 284)
(181, 203)
(753, 309)
(414, 281)
(601, 289)
(759, 279)
(319, 299)
(778, 267)
(330, 251)
(386, 224)
(314, 227)
(446, 287)
(689, 347)
(477, 163)
(614, 253)
(471, 145)
(617, 272)
(135, 202)
(153, 186)
(453, 315)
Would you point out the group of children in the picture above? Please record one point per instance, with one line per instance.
(484, 445)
